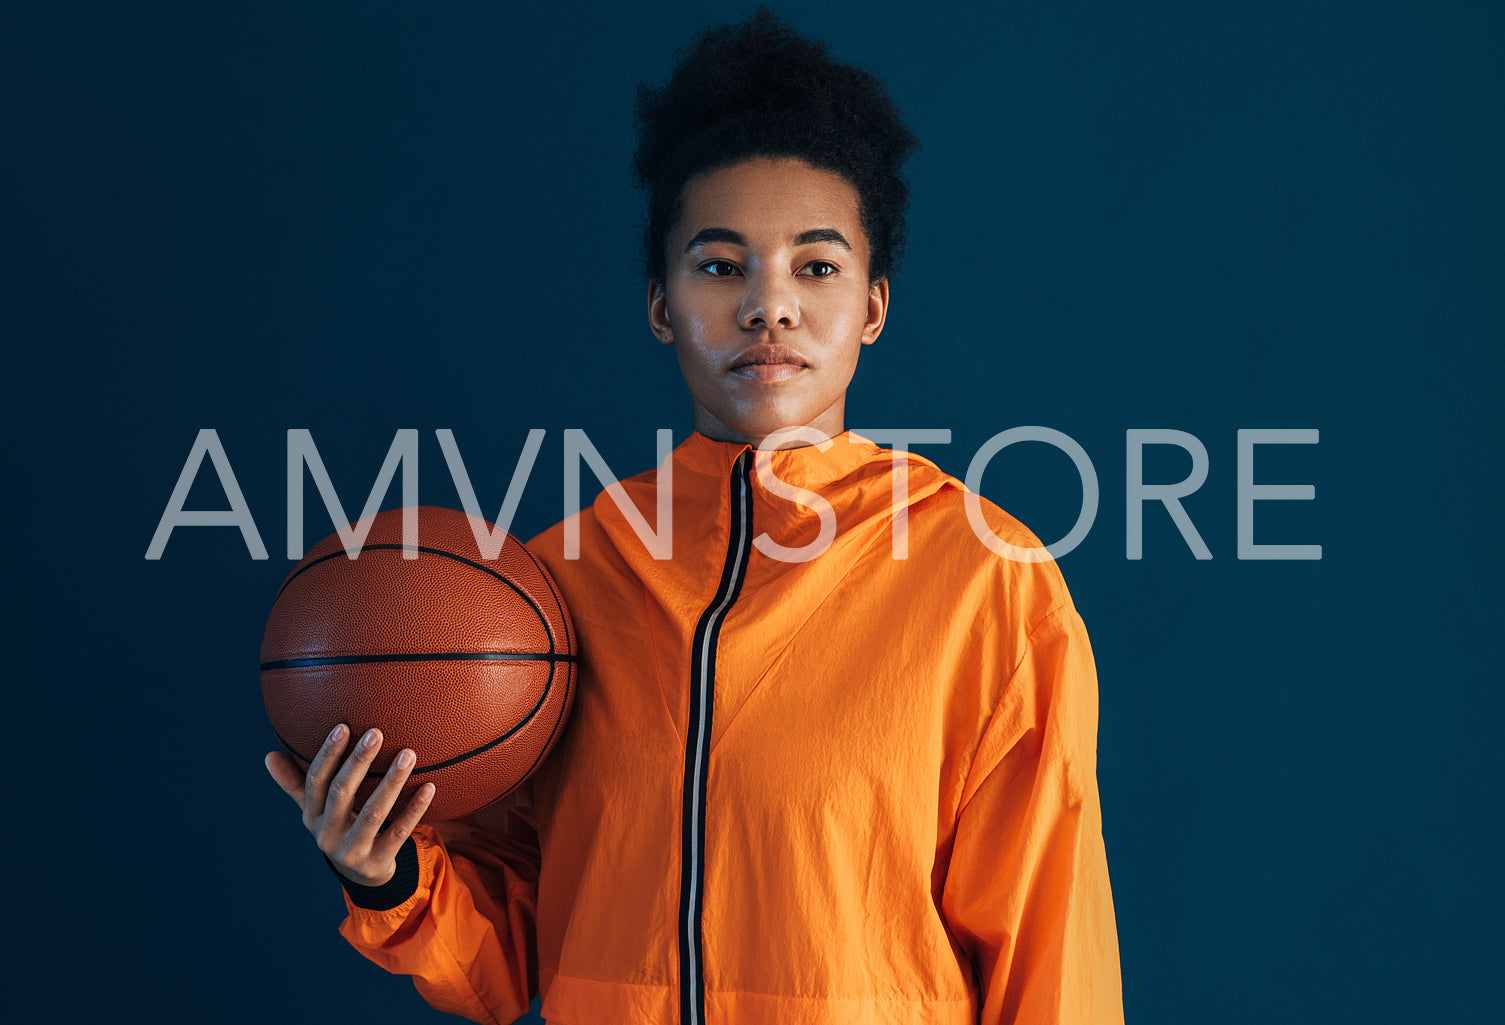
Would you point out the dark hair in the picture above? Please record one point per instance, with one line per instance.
(759, 89)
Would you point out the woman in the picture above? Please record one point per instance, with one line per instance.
(834, 760)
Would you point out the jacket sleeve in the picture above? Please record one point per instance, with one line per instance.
(466, 931)
(1027, 892)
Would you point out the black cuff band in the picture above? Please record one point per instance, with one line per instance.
(402, 885)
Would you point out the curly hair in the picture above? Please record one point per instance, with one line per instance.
(758, 89)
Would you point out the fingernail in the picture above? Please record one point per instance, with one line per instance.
(337, 734)
(369, 740)
(426, 791)
(405, 760)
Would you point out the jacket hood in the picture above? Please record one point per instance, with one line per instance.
(852, 475)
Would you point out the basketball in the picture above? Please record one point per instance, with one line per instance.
(469, 663)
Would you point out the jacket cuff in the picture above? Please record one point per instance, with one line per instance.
(393, 892)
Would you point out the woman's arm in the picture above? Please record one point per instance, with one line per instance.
(1027, 891)
(465, 930)
(450, 904)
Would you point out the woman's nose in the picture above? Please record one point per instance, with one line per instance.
(770, 301)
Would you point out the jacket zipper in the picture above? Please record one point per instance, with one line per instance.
(697, 743)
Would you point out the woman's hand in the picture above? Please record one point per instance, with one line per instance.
(351, 841)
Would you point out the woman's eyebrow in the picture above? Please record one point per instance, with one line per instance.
(705, 236)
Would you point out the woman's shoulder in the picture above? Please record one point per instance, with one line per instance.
(968, 540)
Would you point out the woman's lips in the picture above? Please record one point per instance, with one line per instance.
(768, 361)
(768, 371)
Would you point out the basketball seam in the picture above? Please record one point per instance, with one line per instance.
(542, 619)
(553, 730)
(457, 759)
(318, 661)
(564, 616)
(570, 680)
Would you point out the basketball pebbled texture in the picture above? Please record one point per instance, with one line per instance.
(471, 664)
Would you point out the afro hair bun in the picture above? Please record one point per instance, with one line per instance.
(759, 89)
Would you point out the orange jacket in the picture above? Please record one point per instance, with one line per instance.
(855, 789)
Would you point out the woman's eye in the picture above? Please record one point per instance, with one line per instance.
(821, 269)
(720, 268)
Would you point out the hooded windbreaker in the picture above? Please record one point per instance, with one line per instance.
(851, 790)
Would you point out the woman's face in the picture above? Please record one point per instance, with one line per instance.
(766, 298)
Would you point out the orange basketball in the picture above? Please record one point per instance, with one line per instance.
(469, 663)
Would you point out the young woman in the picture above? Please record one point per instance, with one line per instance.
(834, 761)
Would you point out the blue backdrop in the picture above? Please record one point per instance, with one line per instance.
(359, 218)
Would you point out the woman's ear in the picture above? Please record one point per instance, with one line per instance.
(877, 310)
(658, 313)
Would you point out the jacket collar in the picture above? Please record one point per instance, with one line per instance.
(804, 466)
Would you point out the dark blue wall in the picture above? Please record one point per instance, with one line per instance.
(357, 218)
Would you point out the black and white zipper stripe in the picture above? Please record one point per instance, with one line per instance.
(697, 744)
